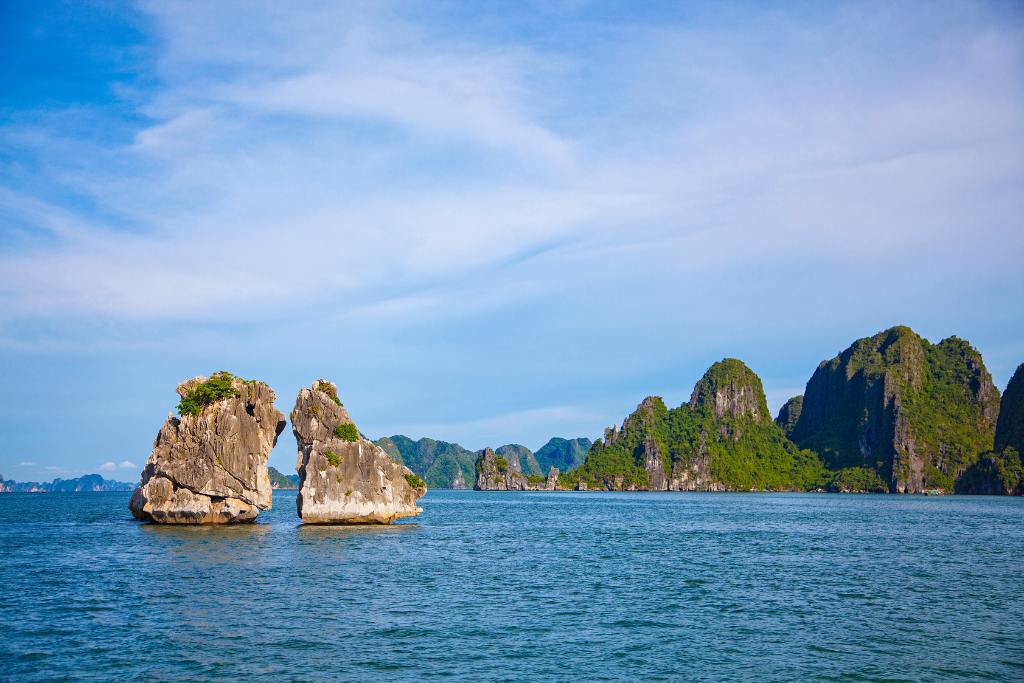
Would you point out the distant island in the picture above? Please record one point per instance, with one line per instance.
(278, 480)
(893, 413)
(445, 465)
(88, 482)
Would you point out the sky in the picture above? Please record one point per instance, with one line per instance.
(487, 222)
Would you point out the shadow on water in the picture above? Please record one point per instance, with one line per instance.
(315, 531)
(204, 532)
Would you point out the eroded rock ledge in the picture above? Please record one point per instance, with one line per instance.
(209, 466)
(343, 477)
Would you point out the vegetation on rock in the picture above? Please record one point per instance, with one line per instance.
(218, 387)
(723, 438)
(415, 481)
(565, 454)
(1010, 426)
(917, 413)
(333, 458)
(330, 390)
(346, 432)
(439, 463)
(857, 480)
(789, 413)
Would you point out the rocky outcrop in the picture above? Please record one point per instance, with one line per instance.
(789, 413)
(915, 412)
(551, 484)
(495, 473)
(209, 466)
(1001, 472)
(459, 482)
(731, 389)
(343, 477)
(1010, 425)
(723, 439)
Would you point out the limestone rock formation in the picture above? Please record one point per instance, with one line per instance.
(915, 412)
(345, 478)
(1010, 425)
(789, 413)
(495, 473)
(1001, 472)
(551, 484)
(723, 439)
(209, 466)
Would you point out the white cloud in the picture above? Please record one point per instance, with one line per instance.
(110, 466)
(26, 463)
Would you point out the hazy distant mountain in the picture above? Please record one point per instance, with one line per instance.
(441, 464)
(565, 454)
(528, 464)
(88, 482)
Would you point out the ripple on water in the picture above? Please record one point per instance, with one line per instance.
(521, 587)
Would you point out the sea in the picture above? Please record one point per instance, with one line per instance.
(521, 586)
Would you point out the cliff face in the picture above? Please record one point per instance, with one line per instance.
(789, 413)
(1001, 472)
(344, 478)
(209, 466)
(494, 472)
(1010, 426)
(917, 413)
(723, 439)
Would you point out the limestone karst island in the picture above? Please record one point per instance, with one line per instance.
(532, 341)
(893, 413)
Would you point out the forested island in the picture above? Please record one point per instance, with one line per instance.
(891, 413)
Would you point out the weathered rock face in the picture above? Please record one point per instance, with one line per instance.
(495, 473)
(1001, 472)
(723, 439)
(551, 484)
(732, 390)
(1010, 425)
(210, 467)
(459, 482)
(789, 413)
(343, 477)
(915, 412)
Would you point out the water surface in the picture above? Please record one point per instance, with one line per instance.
(521, 586)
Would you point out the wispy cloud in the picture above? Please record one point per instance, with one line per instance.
(568, 212)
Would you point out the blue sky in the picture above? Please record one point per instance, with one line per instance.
(487, 225)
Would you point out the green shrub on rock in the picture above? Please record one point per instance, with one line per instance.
(347, 432)
(218, 387)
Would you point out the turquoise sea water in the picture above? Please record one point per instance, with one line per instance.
(521, 586)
